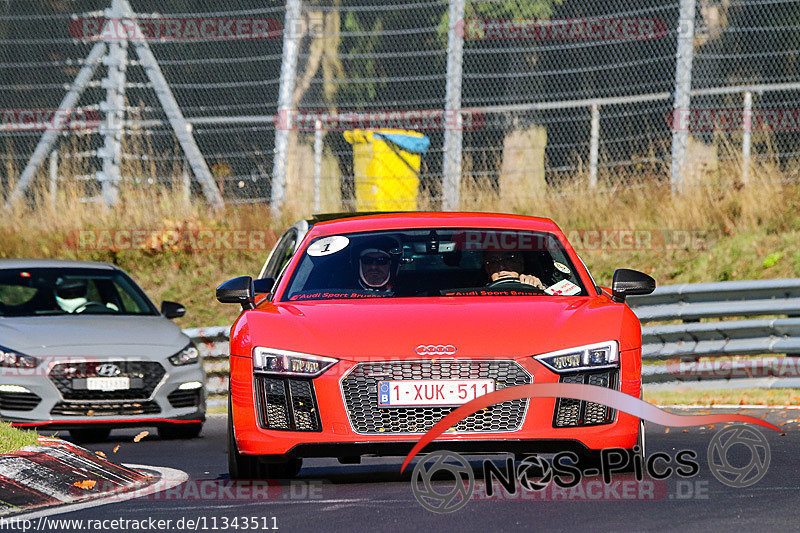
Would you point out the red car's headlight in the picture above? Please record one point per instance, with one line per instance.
(588, 357)
(285, 363)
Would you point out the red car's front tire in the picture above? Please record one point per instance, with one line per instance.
(252, 466)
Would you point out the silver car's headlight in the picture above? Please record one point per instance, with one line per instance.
(588, 357)
(284, 363)
(188, 356)
(13, 359)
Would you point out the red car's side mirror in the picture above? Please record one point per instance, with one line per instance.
(237, 291)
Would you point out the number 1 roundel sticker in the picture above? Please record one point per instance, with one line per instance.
(328, 245)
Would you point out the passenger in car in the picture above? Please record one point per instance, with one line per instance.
(504, 267)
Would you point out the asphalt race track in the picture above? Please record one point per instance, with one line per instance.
(374, 496)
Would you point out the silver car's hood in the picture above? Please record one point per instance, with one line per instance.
(92, 335)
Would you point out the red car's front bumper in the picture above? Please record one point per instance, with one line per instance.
(338, 438)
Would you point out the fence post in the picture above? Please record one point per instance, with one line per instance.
(594, 146)
(187, 183)
(683, 87)
(452, 120)
(116, 60)
(317, 163)
(283, 124)
(747, 126)
(53, 175)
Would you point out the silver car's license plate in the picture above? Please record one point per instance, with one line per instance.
(108, 384)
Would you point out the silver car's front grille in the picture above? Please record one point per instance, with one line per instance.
(89, 409)
(360, 393)
(70, 379)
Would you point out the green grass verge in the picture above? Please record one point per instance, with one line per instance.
(12, 439)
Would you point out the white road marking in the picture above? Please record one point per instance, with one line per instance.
(732, 406)
(168, 478)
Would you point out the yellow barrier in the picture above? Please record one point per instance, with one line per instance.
(386, 175)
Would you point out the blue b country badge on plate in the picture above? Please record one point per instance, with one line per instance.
(383, 393)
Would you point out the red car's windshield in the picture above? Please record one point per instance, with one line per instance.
(433, 262)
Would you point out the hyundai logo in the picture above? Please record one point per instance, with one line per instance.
(108, 370)
(435, 349)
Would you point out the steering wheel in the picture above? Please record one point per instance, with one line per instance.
(515, 285)
(92, 305)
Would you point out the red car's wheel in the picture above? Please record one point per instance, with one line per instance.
(239, 466)
(251, 466)
(592, 458)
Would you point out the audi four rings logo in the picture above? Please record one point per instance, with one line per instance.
(108, 370)
(435, 349)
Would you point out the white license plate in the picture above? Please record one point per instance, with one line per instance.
(108, 384)
(431, 391)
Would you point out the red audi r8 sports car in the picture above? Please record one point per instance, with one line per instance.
(363, 331)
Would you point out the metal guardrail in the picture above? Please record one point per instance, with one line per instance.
(733, 337)
(680, 343)
(717, 321)
(719, 300)
(214, 346)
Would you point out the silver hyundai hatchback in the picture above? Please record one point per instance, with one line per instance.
(83, 348)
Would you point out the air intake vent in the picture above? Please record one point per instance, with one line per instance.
(576, 413)
(184, 398)
(18, 401)
(287, 404)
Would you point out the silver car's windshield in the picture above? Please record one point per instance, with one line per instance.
(61, 291)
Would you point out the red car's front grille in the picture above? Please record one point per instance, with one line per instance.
(360, 392)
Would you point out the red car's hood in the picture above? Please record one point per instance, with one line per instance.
(500, 327)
